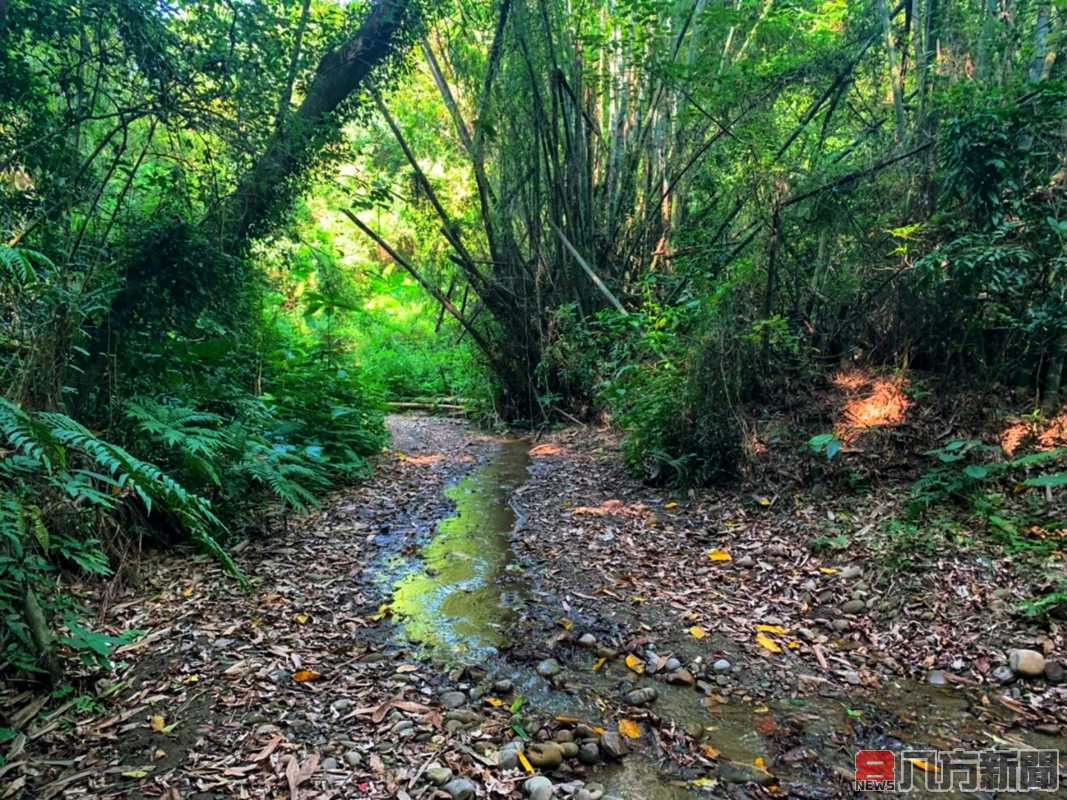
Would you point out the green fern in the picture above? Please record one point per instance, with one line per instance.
(17, 265)
(193, 434)
(285, 474)
(48, 438)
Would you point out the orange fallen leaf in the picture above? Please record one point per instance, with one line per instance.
(629, 729)
(635, 664)
(759, 762)
(710, 751)
(306, 675)
(495, 702)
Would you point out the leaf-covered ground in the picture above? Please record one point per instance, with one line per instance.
(782, 627)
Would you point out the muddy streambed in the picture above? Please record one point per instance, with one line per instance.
(472, 606)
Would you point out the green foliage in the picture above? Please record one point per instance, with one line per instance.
(58, 484)
(966, 465)
(825, 444)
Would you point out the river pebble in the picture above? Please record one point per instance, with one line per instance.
(460, 789)
(548, 668)
(453, 699)
(642, 697)
(1028, 663)
(589, 753)
(545, 755)
(538, 787)
(613, 745)
(438, 775)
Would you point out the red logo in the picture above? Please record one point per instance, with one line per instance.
(875, 765)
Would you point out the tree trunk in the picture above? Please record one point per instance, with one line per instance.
(340, 75)
(895, 73)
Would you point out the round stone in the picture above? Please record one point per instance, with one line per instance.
(460, 789)
(548, 668)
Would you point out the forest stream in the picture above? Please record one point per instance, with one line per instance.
(409, 638)
(459, 598)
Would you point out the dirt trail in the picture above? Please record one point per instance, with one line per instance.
(480, 590)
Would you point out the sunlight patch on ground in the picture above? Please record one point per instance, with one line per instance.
(547, 450)
(422, 461)
(1046, 435)
(873, 402)
(613, 508)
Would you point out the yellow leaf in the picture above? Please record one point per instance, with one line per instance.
(191, 679)
(158, 723)
(719, 555)
(187, 592)
(157, 754)
(923, 764)
(771, 629)
(671, 504)
(763, 501)
(759, 762)
(599, 731)
(526, 765)
(697, 632)
(302, 618)
(383, 611)
(629, 729)
(638, 599)
(135, 773)
(710, 751)
(600, 662)
(767, 643)
(306, 675)
(761, 709)
(635, 664)
(495, 702)
(566, 624)
(793, 645)
(704, 782)
(828, 570)
(567, 720)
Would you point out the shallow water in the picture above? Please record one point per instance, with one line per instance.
(461, 599)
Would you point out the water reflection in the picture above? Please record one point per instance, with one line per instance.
(460, 603)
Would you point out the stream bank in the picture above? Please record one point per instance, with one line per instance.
(477, 591)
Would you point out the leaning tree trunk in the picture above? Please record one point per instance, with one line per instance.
(341, 73)
(267, 187)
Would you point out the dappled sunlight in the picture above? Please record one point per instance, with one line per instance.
(1042, 434)
(1055, 435)
(613, 508)
(874, 402)
(422, 461)
(1014, 435)
(547, 450)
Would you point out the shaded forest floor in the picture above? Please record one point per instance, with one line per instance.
(782, 628)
